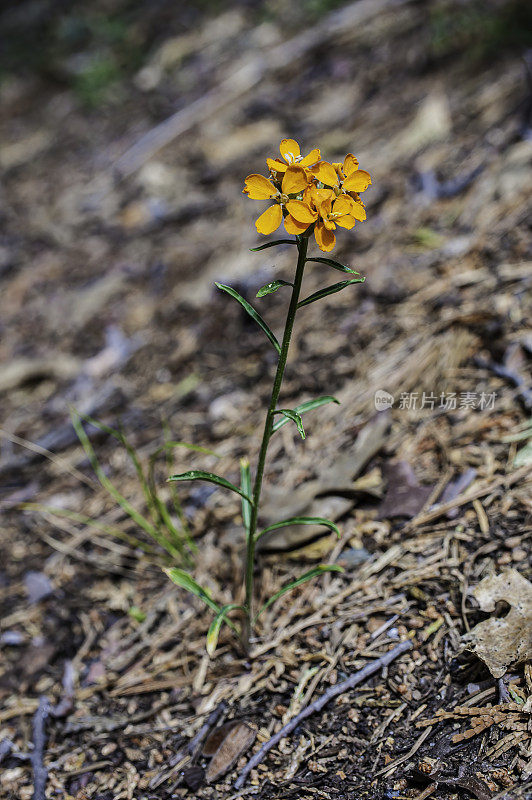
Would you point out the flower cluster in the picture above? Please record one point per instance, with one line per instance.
(310, 194)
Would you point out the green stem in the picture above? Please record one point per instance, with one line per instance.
(302, 245)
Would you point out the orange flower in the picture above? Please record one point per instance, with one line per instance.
(343, 178)
(310, 194)
(298, 215)
(343, 211)
(291, 154)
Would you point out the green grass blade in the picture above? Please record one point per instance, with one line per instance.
(335, 264)
(210, 477)
(307, 576)
(295, 417)
(309, 405)
(157, 509)
(167, 448)
(126, 506)
(301, 521)
(336, 287)
(82, 519)
(272, 244)
(174, 494)
(269, 288)
(132, 453)
(252, 313)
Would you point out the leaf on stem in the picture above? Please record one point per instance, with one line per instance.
(186, 581)
(336, 287)
(215, 626)
(210, 477)
(307, 576)
(335, 264)
(269, 288)
(245, 485)
(252, 313)
(309, 405)
(288, 413)
(272, 244)
(301, 521)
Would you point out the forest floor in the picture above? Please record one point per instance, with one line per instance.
(107, 261)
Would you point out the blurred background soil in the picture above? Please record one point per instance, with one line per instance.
(112, 232)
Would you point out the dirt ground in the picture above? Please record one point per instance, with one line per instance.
(113, 231)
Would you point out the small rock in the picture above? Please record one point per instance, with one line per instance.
(12, 638)
(38, 587)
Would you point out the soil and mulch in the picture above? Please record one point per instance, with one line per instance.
(108, 254)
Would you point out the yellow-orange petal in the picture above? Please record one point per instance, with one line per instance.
(294, 181)
(317, 196)
(293, 226)
(326, 173)
(324, 238)
(346, 221)
(301, 212)
(259, 188)
(358, 181)
(358, 212)
(269, 221)
(276, 165)
(289, 150)
(350, 164)
(343, 204)
(325, 206)
(312, 158)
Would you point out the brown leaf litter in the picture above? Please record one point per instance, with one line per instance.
(107, 304)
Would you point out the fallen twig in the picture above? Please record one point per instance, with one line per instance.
(455, 489)
(510, 375)
(40, 773)
(66, 704)
(487, 488)
(6, 746)
(318, 704)
(211, 720)
(190, 750)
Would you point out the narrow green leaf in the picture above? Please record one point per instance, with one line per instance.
(252, 313)
(168, 448)
(335, 264)
(269, 288)
(272, 244)
(120, 436)
(186, 581)
(336, 287)
(245, 485)
(174, 494)
(215, 626)
(307, 576)
(300, 521)
(136, 516)
(288, 413)
(210, 477)
(310, 405)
